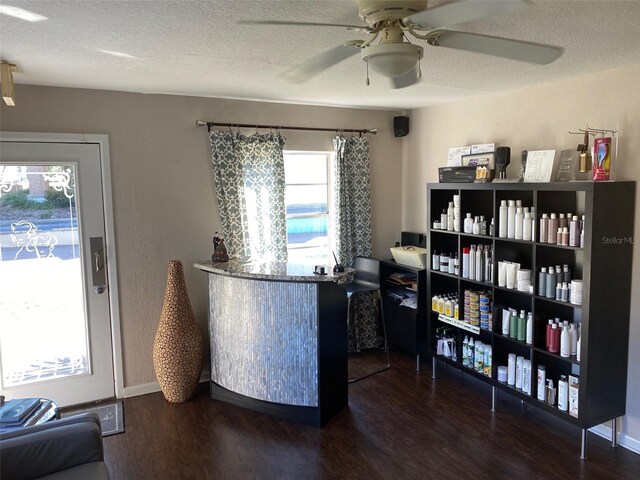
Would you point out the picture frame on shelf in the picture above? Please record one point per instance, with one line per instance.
(567, 166)
(540, 166)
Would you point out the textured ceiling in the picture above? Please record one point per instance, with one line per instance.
(185, 47)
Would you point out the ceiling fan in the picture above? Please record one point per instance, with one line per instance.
(389, 50)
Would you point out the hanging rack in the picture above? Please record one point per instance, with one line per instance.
(200, 123)
(593, 131)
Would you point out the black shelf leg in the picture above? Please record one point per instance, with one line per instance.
(614, 433)
(433, 367)
(418, 362)
(494, 398)
(583, 447)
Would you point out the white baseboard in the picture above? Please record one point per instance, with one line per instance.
(625, 441)
(143, 389)
(153, 387)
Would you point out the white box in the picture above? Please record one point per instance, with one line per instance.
(574, 387)
(410, 255)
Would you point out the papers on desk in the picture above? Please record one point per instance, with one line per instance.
(409, 280)
(405, 297)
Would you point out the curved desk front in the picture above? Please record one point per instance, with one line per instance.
(278, 338)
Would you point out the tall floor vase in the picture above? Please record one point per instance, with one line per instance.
(177, 349)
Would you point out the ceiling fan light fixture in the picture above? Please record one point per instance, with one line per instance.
(392, 59)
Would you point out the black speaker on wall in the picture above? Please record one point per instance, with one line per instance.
(400, 126)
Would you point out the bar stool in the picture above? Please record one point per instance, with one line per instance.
(367, 279)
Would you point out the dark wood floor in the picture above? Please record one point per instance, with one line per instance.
(400, 424)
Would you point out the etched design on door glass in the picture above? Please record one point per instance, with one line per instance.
(43, 333)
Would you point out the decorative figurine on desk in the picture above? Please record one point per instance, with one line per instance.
(338, 267)
(220, 254)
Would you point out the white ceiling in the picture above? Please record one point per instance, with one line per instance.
(186, 47)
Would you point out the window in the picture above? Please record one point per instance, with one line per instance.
(307, 193)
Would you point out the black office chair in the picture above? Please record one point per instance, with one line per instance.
(367, 279)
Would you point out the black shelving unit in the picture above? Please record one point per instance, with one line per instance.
(406, 327)
(603, 263)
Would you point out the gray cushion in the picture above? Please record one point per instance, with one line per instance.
(88, 471)
(51, 448)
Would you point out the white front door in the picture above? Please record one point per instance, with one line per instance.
(55, 324)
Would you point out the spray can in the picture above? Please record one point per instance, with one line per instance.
(503, 220)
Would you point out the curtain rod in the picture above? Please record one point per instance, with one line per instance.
(200, 123)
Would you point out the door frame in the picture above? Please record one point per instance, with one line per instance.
(112, 274)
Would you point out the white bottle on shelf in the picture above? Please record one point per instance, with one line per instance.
(526, 227)
(511, 215)
(573, 330)
(542, 377)
(472, 262)
(479, 264)
(503, 220)
(450, 217)
(578, 344)
(533, 223)
(518, 223)
(530, 328)
(465, 262)
(519, 376)
(505, 322)
(565, 342)
(468, 224)
(563, 393)
(511, 369)
(526, 376)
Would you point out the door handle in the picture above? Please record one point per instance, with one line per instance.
(98, 272)
(97, 261)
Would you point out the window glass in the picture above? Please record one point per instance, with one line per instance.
(308, 214)
(305, 168)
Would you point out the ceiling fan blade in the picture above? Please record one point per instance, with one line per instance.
(357, 28)
(405, 80)
(463, 11)
(499, 47)
(313, 66)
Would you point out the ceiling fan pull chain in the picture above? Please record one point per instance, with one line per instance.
(368, 82)
(419, 67)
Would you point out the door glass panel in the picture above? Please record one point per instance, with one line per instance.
(43, 332)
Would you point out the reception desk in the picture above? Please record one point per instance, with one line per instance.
(278, 338)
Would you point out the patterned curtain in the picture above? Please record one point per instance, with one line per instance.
(353, 199)
(352, 217)
(249, 180)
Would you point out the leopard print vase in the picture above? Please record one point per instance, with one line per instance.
(177, 349)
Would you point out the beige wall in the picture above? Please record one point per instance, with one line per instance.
(163, 197)
(535, 119)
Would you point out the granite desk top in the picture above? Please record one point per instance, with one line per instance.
(291, 272)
